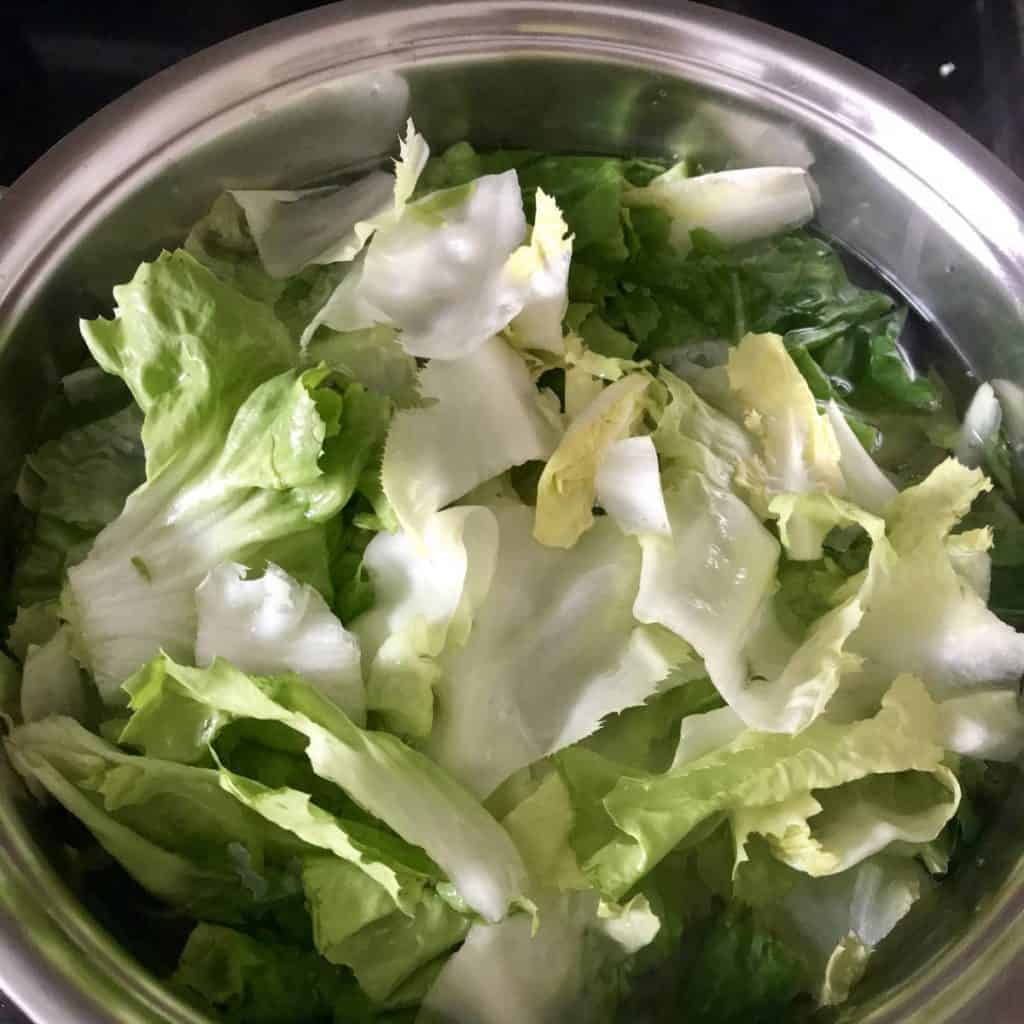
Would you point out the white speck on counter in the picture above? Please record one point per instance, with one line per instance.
(945, 70)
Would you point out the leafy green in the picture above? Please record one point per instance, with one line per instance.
(833, 924)
(375, 866)
(570, 966)
(922, 617)
(172, 827)
(736, 206)
(554, 649)
(372, 357)
(51, 681)
(222, 242)
(485, 417)
(390, 949)
(568, 485)
(404, 789)
(645, 737)
(648, 815)
(742, 974)
(427, 589)
(75, 485)
(244, 978)
(797, 447)
(272, 624)
(292, 230)
(627, 486)
(866, 484)
(888, 378)
(240, 451)
(462, 251)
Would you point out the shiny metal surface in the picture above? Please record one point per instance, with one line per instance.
(329, 90)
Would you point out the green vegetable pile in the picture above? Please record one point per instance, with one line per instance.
(471, 593)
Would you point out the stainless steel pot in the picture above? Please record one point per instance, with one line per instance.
(302, 98)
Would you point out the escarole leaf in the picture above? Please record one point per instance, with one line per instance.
(701, 733)
(170, 826)
(725, 606)
(969, 555)
(554, 649)
(987, 724)
(437, 272)
(75, 484)
(371, 357)
(568, 485)
(182, 341)
(388, 950)
(649, 815)
(628, 487)
(427, 591)
(542, 271)
(541, 826)
(825, 833)
(449, 271)
(51, 682)
(708, 580)
(924, 617)
(240, 451)
(866, 484)
(331, 225)
(736, 206)
(796, 680)
(484, 417)
(274, 624)
(693, 435)
(221, 242)
(401, 787)
(799, 452)
(33, 625)
(292, 229)
(387, 873)
(833, 924)
(566, 968)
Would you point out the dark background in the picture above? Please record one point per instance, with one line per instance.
(61, 60)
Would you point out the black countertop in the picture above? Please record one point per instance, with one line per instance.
(62, 60)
